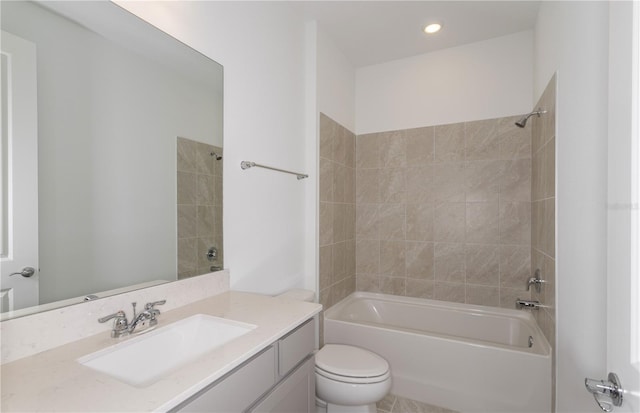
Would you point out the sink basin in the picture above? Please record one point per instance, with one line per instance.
(145, 359)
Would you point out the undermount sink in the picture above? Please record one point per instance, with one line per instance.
(143, 360)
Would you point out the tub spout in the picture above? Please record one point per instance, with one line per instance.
(530, 304)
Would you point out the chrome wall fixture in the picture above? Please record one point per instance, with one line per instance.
(608, 394)
(249, 164)
(523, 120)
(536, 281)
(212, 254)
(528, 304)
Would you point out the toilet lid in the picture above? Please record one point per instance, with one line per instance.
(352, 380)
(350, 361)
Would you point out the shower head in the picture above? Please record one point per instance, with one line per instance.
(216, 156)
(523, 120)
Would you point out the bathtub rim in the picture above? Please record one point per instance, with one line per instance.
(525, 317)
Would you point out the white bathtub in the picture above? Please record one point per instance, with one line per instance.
(459, 356)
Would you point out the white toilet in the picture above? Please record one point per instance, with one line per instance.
(348, 379)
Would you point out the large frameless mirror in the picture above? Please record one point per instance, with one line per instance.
(125, 123)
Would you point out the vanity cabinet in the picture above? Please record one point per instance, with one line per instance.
(279, 379)
(294, 394)
(236, 391)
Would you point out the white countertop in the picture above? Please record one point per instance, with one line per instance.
(54, 381)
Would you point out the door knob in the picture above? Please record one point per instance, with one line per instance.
(26, 272)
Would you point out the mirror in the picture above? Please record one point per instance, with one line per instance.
(129, 153)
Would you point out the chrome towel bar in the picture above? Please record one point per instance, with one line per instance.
(249, 164)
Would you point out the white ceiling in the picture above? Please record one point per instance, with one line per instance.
(370, 32)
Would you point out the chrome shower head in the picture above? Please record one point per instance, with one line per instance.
(523, 120)
(216, 156)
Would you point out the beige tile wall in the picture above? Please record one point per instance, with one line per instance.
(199, 186)
(337, 212)
(462, 212)
(444, 212)
(543, 196)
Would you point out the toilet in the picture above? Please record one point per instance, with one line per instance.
(349, 379)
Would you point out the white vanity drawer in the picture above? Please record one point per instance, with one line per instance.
(294, 394)
(237, 391)
(295, 346)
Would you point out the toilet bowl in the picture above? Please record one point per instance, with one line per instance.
(349, 379)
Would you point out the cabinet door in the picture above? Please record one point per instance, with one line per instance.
(236, 392)
(295, 346)
(295, 394)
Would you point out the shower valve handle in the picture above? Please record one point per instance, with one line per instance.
(536, 281)
(603, 390)
(212, 254)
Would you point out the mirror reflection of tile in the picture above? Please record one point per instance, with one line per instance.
(199, 188)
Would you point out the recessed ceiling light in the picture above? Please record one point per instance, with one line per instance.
(432, 28)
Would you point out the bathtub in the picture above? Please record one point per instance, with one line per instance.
(462, 357)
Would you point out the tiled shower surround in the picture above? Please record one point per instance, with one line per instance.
(543, 213)
(199, 187)
(438, 212)
(444, 212)
(337, 212)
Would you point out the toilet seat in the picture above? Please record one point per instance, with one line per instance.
(352, 380)
(351, 364)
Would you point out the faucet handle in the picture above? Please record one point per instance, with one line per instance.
(153, 312)
(536, 281)
(119, 315)
(120, 324)
(150, 306)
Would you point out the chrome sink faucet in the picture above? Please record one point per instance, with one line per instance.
(122, 327)
(150, 313)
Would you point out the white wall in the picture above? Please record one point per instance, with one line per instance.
(330, 89)
(572, 39)
(312, 148)
(336, 83)
(262, 49)
(623, 321)
(483, 80)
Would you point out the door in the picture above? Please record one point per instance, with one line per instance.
(623, 286)
(19, 165)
